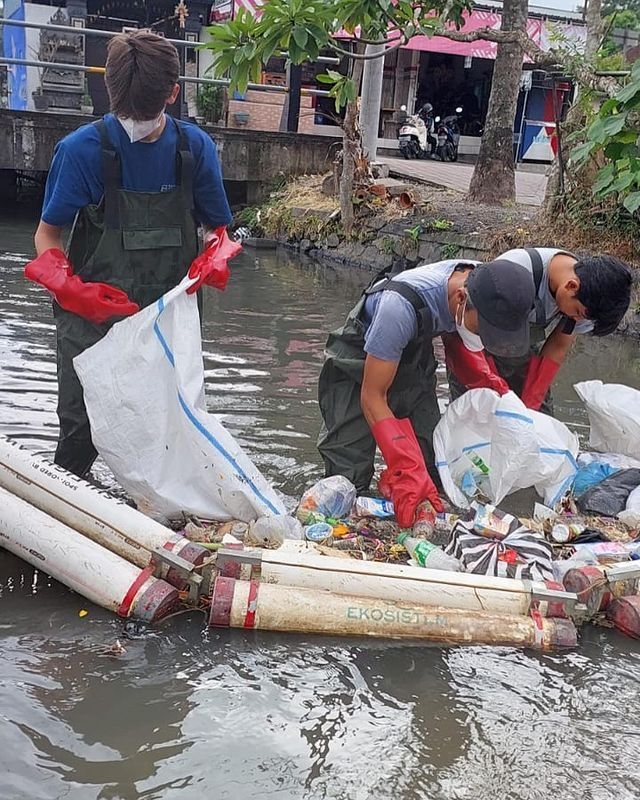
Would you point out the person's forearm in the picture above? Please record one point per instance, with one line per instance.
(47, 237)
(374, 407)
(557, 345)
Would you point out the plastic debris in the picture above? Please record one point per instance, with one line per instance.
(522, 553)
(614, 416)
(270, 532)
(373, 507)
(609, 497)
(591, 474)
(331, 497)
(426, 554)
(491, 521)
(424, 525)
(319, 533)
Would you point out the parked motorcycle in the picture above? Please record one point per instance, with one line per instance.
(448, 135)
(413, 137)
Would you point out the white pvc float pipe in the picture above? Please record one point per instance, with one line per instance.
(104, 519)
(263, 606)
(304, 568)
(84, 566)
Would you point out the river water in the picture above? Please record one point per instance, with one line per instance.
(191, 713)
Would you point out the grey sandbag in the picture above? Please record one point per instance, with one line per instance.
(609, 497)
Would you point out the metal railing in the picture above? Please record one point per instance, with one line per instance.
(257, 87)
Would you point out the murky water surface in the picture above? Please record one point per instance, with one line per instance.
(191, 713)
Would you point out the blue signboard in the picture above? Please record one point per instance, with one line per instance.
(14, 43)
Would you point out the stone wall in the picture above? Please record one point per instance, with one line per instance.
(264, 110)
(27, 140)
(383, 242)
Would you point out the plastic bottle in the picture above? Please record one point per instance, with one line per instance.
(428, 555)
(477, 462)
(425, 521)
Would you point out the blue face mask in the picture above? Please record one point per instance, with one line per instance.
(470, 340)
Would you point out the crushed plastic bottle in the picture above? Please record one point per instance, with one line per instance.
(270, 532)
(331, 497)
(424, 525)
(428, 555)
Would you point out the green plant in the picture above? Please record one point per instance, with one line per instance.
(449, 250)
(414, 233)
(210, 102)
(441, 224)
(387, 245)
(612, 142)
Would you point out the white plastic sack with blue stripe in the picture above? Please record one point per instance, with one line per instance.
(614, 416)
(144, 392)
(494, 445)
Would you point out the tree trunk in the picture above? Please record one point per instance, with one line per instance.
(593, 22)
(493, 178)
(351, 153)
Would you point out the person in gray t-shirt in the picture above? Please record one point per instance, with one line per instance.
(573, 296)
(378, 381)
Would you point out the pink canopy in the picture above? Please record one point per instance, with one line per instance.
(538, 30)
(479, 49)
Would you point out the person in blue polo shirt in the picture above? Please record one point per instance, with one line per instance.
(135, 186)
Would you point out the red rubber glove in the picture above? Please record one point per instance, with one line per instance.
(96, 302)
(540, 374)
(406, 478)
(473, 370)
(211, 267)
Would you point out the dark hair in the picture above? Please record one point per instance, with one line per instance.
(141, 71)
(605, 291)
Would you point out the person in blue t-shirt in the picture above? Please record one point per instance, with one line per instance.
(135, 186)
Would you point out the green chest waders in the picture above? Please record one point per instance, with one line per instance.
(142, 242)
(345, 442)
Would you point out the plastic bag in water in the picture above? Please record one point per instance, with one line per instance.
(495, 445)
(590, 475)
(330, 497)
(609, 497)
(614, 416)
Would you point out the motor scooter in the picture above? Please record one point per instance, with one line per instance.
(413, 137)
(448, 136)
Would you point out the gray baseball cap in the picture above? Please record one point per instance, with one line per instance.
(503, 293)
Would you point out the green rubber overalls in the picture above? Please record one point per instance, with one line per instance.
(345, 442)
(141, 242)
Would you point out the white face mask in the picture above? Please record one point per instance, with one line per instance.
(470, 340)
(140, 129)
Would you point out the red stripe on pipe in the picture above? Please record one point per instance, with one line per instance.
(538, 627)
(252, 605)
(231, 569)
(221, 599)
(132, 591)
